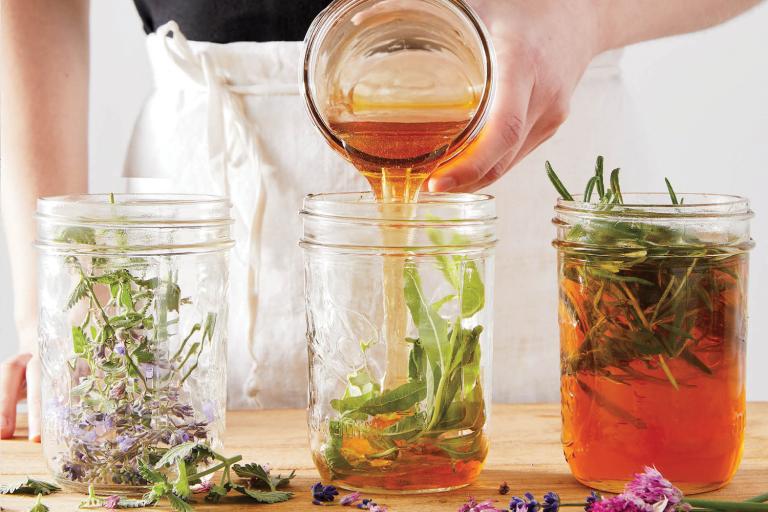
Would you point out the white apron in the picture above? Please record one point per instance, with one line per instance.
(228, 119)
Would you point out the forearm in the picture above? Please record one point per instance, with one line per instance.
(624, 22)
(44, 120)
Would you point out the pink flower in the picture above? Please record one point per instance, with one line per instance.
(111, 502)
(621, 503)
(204, 486)
(378, 508)
(473, 506)
(349, 499)
(651, 487)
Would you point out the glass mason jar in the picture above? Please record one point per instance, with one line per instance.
(653, 324)
(399, 410)
(398, 86)
(132, 332)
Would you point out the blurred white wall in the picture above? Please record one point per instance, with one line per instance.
(705, 96)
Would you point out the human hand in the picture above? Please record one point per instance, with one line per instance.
(542, 50)
(20, 378)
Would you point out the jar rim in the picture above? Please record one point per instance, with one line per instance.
(156, 210)
(657, 205)
(431, 208)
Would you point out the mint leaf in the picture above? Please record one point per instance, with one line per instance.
(179, 504)
(182, 451)
(79, 343)
(260, 477)
(30, 486)
(263, 496)
(79, 293)
(217, 492)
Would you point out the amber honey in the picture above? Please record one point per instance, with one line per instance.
(397, 157)
(426, 464)
(625, 406)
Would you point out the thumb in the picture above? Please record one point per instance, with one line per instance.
(33, 398)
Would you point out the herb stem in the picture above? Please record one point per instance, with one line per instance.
(737, 506)
(225, 463)
(759, 498)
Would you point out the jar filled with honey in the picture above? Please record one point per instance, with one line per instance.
(653, 323)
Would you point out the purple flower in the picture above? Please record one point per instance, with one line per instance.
(73, 471)
(551, 502)
(120, 349)
(527, 504)
(111, 502)
(621, 503)
(652, 488)
(323, 493)
(473, 506)
(124, 442)
(209, 411)
(349, 499)
(593, 498)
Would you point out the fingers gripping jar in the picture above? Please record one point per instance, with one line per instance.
(132, 332)
(425, 432)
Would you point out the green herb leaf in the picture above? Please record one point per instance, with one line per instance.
(557, 183)
(217, 492)
(181, 451)
(79, 343)
(616, 187)
(78, 294)
(260, 478)
(401, 398)
(671, 191)
(178, 504)
(599, 178)
(264, 496)
(30, 486)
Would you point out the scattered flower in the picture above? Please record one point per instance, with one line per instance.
(504, 488)
(527, 504)
(651, 487)
(473, 506)
(621, 503)
(551, 502)
(203, 487)
(111, 502)
(593, 497)
(322, 494)
(349, 499)
(377, 508)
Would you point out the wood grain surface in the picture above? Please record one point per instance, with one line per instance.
(525, 452)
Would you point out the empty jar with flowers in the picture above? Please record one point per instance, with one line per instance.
(132, 332)
(653, 319)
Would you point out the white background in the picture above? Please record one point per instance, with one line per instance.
(705, 96)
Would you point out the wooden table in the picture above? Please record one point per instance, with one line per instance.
(525, 452)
